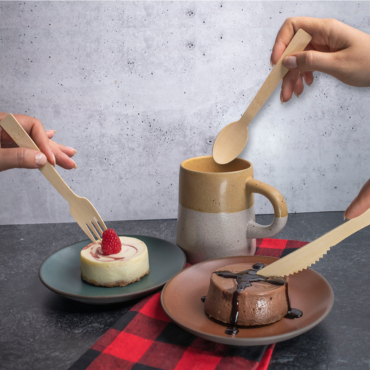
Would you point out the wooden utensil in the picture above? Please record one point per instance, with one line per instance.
(309, 254)
(231, 139)
(81, 209)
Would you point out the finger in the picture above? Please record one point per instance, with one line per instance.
(360, 204)
(317, 28)
(37, 132)
(5, 138)
(64, 161)
(308, 78)
(8, 142)
(54, 147)
(50, 133)
(40, 138)
(21, 158)
(312, 60)
(277, 51)
(65, 149)
(282, 48)
(298, 89)
(288, 85)
(62, 155)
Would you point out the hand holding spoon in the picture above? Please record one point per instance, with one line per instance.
(232, 138)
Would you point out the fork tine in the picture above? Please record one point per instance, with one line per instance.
(92, 228)
(97, 226)
(100, 220)
(88, 232)
(85, 230)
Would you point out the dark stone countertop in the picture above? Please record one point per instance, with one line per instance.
(41, 330)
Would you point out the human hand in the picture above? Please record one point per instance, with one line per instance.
(336, 49)
(360, 204)
(11, 156)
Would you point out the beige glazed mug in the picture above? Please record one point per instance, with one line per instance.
(216, 209)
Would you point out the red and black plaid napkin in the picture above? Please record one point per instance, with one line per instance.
(146, 339)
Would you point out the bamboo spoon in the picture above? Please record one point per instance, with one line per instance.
(81, 209)
(231, 139)
(306, 256)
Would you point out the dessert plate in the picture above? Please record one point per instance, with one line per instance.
(181, 299)
(61, 273)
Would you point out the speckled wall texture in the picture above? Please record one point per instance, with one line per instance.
(137, 87)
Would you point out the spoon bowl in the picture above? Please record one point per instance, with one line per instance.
(239, 133)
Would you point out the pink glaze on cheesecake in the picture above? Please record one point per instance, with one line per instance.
(120, 269)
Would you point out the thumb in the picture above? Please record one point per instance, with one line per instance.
(313, 60)
(21, 158)
(360, 204)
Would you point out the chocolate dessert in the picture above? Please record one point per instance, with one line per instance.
(237, 295)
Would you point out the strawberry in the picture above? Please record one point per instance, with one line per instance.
(111, 244)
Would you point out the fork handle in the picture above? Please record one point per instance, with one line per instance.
(22, 139)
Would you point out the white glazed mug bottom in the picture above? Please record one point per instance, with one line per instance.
(205, 236)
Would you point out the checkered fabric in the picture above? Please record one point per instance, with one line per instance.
(146, 339)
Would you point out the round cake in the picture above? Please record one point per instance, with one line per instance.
(261, 303)
(120, 269)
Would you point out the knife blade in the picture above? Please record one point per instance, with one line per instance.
(306, 256)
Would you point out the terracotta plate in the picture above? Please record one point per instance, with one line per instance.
(61, 273)
(181, 299)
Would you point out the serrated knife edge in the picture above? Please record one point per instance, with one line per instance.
(306, 256)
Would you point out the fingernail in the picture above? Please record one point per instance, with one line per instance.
(55, 131)
(296, 94)
(73, 149)
(55, 162)
(40, 159)
(75, 166)
(290, 62)
(345, 215)
(281, 97)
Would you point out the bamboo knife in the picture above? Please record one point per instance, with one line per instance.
(306, 256)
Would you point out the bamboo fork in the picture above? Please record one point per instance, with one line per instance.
(81, 208)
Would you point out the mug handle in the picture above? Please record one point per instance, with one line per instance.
(255, 230)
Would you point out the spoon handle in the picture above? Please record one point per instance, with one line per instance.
(299, 42)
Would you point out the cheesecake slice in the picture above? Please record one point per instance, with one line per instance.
(120, 269)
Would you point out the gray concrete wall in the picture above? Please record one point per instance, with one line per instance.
(137, 87)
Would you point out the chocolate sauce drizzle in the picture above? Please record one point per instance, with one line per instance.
(245, 280)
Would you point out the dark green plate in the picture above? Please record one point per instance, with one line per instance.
(62, 274)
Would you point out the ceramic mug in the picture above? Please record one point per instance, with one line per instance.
(216, 209)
